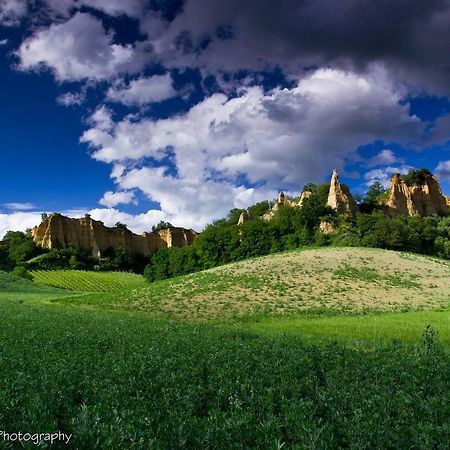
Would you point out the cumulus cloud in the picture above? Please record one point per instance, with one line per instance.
(138, 223)
(111, 199)
(384, 174)
(132, 8)
(383, 158)
(143, 90)
(351, 34)
(442, 170)
(12, 11)
(18, 221)
(76, 50)
(279, 139)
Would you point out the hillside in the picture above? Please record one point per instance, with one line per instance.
(335, 280)
(15, 288)
(85, 281)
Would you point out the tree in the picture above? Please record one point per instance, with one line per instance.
(20, 246)
(22, 272)
(373, 194)
(233, 215)
(161, 225)
(416, 176)
(259, 209)
(121, 226)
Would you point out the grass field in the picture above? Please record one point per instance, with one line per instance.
(77, 280)
(126, 381)
(15, 288)
(327, 348)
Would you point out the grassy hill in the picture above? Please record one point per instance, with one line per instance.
(15, 288)
(327, 280)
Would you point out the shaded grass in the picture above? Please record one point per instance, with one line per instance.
(406, 327)
(14, 288)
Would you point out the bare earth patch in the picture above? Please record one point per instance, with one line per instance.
(343, 279)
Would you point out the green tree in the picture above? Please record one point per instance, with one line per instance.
(121, 226)
(20, 246)
(22, 272)
(416, 176)
(161, 225)
(233, 215)
(374, 193)
(259, 209)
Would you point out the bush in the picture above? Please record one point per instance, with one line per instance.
(416, 176)
(22, 272)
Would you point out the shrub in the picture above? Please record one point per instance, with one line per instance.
(22, 272)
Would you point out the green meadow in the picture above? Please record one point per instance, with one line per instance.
(321, 348)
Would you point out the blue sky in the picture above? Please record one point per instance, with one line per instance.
(142, 110)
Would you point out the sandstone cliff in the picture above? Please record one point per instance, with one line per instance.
(423, 199)
(58, 231)
(340, 198)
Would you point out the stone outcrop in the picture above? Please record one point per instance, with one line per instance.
(423, 199)
(305, 195)
(58, 231)
(327, 227)
(340, 198)
(281, 201)
(244, 217)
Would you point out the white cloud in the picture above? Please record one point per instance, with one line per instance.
(111, 199)
(384, 175)
(281, 139)
(137, 223)
(3, 42)
(19, 206)
(384, 158)
(18, 221)
(71, 98)
(11, 11)
(76, 50)
(142, 91)
(112, 7)
(442, 170)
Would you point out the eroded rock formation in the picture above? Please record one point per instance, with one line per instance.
(423, 199)
(281, 201)
(305, 195)
(244, 217)
(340, 198)
(58, 231)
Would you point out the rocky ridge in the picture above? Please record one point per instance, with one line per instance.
(57, 231)
(424, 199)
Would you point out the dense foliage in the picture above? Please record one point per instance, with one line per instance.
(223, 241)
(121, 381)
(19, 253)
(416, 176)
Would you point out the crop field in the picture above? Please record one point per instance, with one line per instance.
(14, 288)
(77, 280)
(330, 348)
(128, 381)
